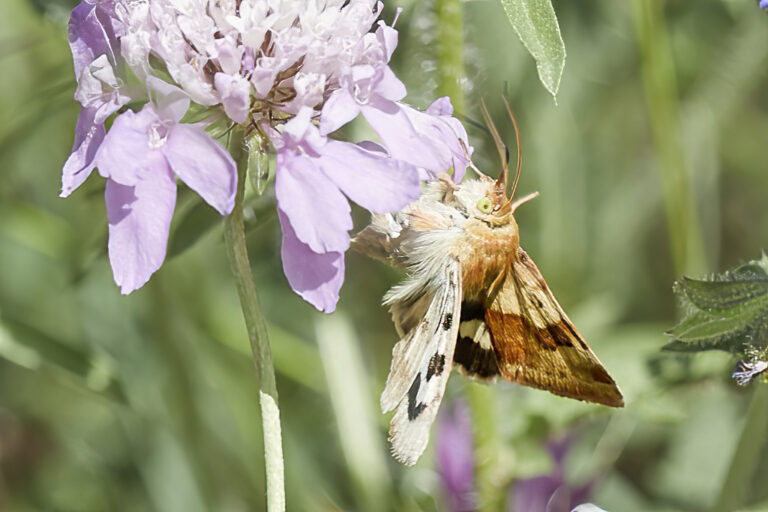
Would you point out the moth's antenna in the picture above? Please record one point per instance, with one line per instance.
(519, 147)
(469, 159)
(480, 126)
(523, 200)
(500, 147)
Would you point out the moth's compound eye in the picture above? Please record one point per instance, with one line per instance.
(485, 205)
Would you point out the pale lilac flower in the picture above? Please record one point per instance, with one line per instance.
(140, 157)
(764, 4)
(287, 71)
(314, 174)
(434, 140)
(93, 37)
(455, 457)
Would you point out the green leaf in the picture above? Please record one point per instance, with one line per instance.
(725, 312)
(195, 222)
(31, 348)
(536, 24)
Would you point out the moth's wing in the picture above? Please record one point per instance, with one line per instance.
(421, 364)
(381, 238)
(474, 354)
(538, 346)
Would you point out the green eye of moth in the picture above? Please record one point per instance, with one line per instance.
(485, 205)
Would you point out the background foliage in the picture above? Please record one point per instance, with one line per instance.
(651, 165)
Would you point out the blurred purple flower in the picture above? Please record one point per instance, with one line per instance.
(764, 4)
(455, 458)
(551, 493)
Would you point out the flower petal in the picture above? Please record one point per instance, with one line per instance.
(170, 102)
(372, 180)
(125, 155)
(389, 86)
(433, 142)
(440, 107)
(201, 163)
(318, 211)
(387, 36)
(139, 218)
(235, 94)
(88, 138)
(338, 110)
(92, 32)
(401, 138)
(317, 278)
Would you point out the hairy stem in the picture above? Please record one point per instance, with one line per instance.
(234, 235)
(450, 43)
(450, 51)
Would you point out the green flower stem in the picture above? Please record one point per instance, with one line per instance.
(490, 478)
(450, 51)
(450, 44)
(234, 235)
(746, 456)
(658, 73)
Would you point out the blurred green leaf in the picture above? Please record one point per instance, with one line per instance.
(195, 222)
(725, 312)
(33, 349)
(536, 24)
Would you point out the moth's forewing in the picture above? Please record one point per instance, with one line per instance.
(536, 344)
(421, 364)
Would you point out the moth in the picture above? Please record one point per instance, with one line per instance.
(473, 299)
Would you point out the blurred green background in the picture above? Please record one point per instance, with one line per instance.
(650, 165)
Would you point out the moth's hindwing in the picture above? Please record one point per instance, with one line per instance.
(421, 364)
(537, 345)
(474, 352)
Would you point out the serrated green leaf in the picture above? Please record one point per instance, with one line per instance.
(536, 25)
(725, 312)
(719, 295)
(695, 346)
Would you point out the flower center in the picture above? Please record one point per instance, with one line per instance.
(158, 134)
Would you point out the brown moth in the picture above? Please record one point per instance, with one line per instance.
(473, 298)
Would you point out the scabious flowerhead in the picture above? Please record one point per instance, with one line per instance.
(289, 71)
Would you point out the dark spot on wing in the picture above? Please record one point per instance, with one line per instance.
(474, 310)
(570, 328)
(448, 321)
(436, 366)
(476, 361)
(559, 335)
(414, 408)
